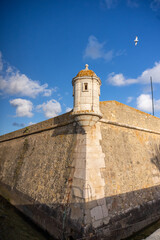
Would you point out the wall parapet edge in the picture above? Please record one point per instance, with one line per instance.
(127, 116)
(59, 121)
(128, 126)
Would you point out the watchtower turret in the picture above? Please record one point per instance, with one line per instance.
(86, 92)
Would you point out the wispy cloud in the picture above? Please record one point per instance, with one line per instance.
(155, 5)
(97, 50)
(120, 52)
(1, 62)
(15, 124)
(144, 103)
(110, 4)
(120, 80)
(133, 3)
(31, 123)
(23, 107)
(129, 99)
(51, 108)
(12, 82)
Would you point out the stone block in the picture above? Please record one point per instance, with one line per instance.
(94, 162)
(76, 213)
(87, 218)
(77, 182)
(77, 192)
(101, 201)
(80, 161)
(97, 224)
(106, 220)
(89, 193)
(91, 204)
(96, 213)
(105, 211)
(99, 192)
(80, 173)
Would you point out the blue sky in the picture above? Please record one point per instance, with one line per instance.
(45, 43)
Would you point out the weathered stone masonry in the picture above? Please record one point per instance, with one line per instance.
(93, 177)
(131, 143)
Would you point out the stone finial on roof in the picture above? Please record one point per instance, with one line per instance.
(86, 67)
(86, 72)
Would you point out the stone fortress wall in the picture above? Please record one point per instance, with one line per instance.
(35, 167)
(131, 144)
(99, 184)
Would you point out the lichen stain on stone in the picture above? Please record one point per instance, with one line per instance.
(20, 160)
(83, 73)
(142, 139)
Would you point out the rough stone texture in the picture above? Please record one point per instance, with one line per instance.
(39, 168)
(123, 114)
(102, 183)
(132, 166)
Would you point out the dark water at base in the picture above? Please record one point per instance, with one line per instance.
(14, 226)
(145, 232)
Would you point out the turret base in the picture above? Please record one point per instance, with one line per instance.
(86, 119)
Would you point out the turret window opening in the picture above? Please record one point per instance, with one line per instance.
(85, 87)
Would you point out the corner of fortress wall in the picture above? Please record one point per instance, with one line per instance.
(103, 184)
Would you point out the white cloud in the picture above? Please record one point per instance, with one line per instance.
(144, 103)
(144, 78)
(68, 109)
(16, 83)
(95, 50)
(47, 92)
(23, 107)
(119, 79)
(51, 109)
(154, 72)
(13, 82)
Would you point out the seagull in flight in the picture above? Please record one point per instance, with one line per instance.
(136, 40)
